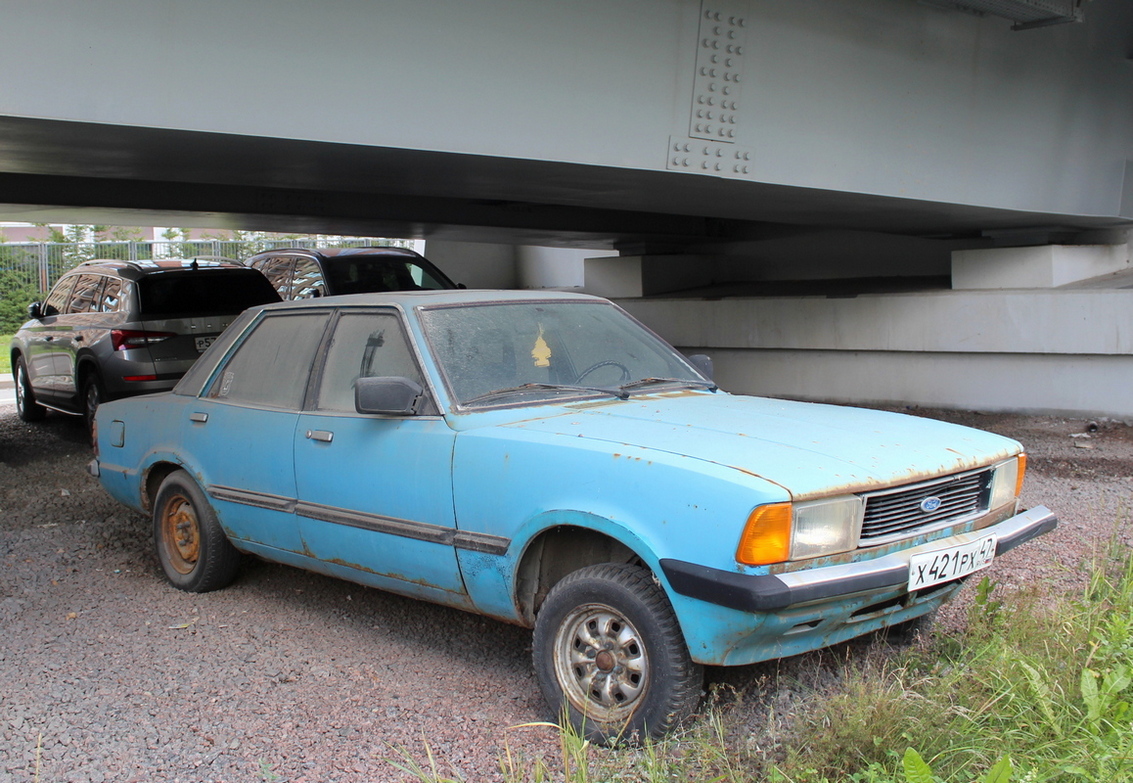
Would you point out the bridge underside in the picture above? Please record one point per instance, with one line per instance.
(58, 171)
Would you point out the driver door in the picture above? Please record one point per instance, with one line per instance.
(375, 492)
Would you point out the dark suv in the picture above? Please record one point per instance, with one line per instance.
(299, 273)
(112, 329)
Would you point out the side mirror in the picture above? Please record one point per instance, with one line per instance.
(35, 311)
(389, 395)
(703, 363)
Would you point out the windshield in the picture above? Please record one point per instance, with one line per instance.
(361, 275)
(523, 352)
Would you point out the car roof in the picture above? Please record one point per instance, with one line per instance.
(331, 253)
(136, 269)
(448, 297)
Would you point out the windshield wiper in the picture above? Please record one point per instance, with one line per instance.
(621, 393)
(709, 385)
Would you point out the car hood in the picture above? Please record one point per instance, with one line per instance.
(807, 448)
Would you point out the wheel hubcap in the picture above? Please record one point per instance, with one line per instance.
(601, 662)
(181, 534)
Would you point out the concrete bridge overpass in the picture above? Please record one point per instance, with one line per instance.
(941, 166)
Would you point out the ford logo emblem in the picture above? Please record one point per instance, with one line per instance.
(930, 504)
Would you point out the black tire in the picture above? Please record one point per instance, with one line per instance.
(26, 406)
(610, 656)
(194, 552)
(93, 396)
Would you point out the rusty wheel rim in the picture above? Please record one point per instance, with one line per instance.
(601, 662)
(180, 534)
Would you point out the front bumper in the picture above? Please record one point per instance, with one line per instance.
(774, 592)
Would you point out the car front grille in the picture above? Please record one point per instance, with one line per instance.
(902, 511)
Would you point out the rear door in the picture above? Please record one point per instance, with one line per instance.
(79, 326)
(240, 431)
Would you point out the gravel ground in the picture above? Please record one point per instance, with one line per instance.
(109, 674)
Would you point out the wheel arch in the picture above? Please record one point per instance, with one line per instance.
(86, 365)
(568, 542)
(155, 474)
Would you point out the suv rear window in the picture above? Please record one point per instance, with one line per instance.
(203, 292)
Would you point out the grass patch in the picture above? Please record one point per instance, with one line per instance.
(1039, 680)
(5, 354)
(1037, 687)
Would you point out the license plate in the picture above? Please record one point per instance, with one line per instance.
(203, 343)
(943, 565)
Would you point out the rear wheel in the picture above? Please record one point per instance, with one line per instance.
(609, 653)
(194, 552)
(26, 406)
(93, 396)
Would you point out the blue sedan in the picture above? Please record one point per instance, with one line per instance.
(544, 459)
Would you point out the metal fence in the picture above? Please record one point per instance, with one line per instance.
(39, 264)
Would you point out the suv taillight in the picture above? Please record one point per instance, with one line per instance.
(126, 339)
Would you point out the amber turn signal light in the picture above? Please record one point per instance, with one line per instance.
(767, 535)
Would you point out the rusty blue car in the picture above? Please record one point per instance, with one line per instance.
(545, 459)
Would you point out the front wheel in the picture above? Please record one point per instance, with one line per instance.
(194, 552)
(609, 653)
(26, 406)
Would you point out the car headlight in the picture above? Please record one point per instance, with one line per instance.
(1007, 481)
(778, 532)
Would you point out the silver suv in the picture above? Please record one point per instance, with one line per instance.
(112, 329)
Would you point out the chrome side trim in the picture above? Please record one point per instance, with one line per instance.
(249, 498)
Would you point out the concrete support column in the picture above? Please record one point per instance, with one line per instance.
(1046, 266)
(475, 264)
(551, 267)
(635, 276)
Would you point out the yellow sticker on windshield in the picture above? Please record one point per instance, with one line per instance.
(541, 353)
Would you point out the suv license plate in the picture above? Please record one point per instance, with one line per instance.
(943, 565)
(203, 343)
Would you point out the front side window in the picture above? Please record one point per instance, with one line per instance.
(60, 295)
(364, 345)
(271, 367)
(522, 352)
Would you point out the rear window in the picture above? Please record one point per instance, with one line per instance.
(203, 292)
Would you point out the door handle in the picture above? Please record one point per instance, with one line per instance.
(322, 436)
(198, 417)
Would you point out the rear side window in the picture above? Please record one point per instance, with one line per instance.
(271, 367)
(203, 293)
(112, 295)
(84, 298)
